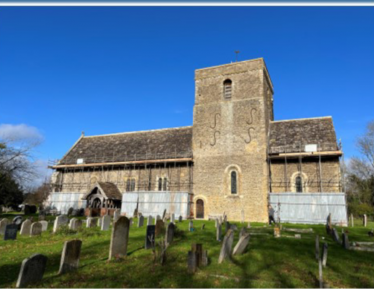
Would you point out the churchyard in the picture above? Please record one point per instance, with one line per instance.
(267, 261)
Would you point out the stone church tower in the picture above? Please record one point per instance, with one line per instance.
(233, 108)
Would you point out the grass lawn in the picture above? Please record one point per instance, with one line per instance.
(268, 262)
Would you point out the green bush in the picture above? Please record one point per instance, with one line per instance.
(358, 210)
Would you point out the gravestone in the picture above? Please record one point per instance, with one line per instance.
(324, 254)
(32, 270)
(227, 226)
(169, 234)
(242, 244)
(41, 217)
(202, 226)
(18, 221)
(180, 219)
(192, 262)
(190, 226)
(70, 256)
(365, 220)
(10, 232)
(352, 221)
(160, 228)
(328, 225)
(164, 214)
(120, 238)
(36, 229)
(77, 224)
(3, 224)
(249, 225)
(150, 236)
(198, 248)
(116, 215)
(91, 222)
(25, 228)
(131, 222)
(140, 221)
(243, 230)
(172, 218)
(345, 242)
(335, 235)
(60, 221)
(105, 223)
(204, 259)
(219, 232)
(44, 225)
(70, 211)
(149, 220)
(216, 223)
(317, 253)
(234, 227)
(99, 220)
(71, 223)
(226, 246)
(157, 218)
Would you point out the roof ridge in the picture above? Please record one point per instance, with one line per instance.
(139, 131)
(301, 119)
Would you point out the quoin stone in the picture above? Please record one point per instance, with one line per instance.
(226, 246)
(25, 228)
(36, 229)
(105, 223)
(70, 256)
(120, 238)
(32, 270)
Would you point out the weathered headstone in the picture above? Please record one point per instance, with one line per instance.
(149, 220)
(216, 223)
(70, 211)
(324, 254)
(10, 232)
(242, 244)
(160, 228)
(365, 220)
(91, 222)
(105, 223)
(328, 224)
(164, 214)
(120, 238)
(3, 224)
(44, 225)
(150, 236)
(172, 218)
(190, 226)
(60, 221)
(180, 219)
(32, 270)
(219, 232)
(140, 221)
(116, 215)
(335, 235)
(198, 248)
(192, 261)
(345, 242)
(169, 234)
(226, 246)
(71, 223)
(36, 229)
(25, 228)
(70, 256)
(99, 220)
(352, 221)
(204, 259)
(317, 252)
(33, 209)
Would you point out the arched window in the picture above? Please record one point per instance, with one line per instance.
(299, 184)
(165, 184)
(227, 88)
(160, 184)
(132, 185)
(233, 183)
(128, 185)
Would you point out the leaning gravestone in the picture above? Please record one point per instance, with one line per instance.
(242, 244)
(10, 232)
(105, 223)
(169, 234)
(32, 270)
(157, 218)
(36, 229)
(324, 254)
(140, 221)
(219, 233)
(120, 238)
(164, 214)
(70, 256)
(150, 236)
(226, 246)
(335, 235)
(149, 220)
(60, 221)
(3, 224)
(25, 228)
(44, 225)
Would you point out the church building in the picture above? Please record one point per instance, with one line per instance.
(235, 160)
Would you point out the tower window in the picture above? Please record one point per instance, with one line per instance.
(165, 184)
(130, 185)
(233, 183)
(160, 184)
(227, 88)
(299, 184)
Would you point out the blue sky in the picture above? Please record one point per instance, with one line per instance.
(102, 70)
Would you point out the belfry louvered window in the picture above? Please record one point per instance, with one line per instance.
(227, 88)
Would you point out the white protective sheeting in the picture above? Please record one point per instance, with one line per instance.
(63, 201)
(309, 208)
(154, 203)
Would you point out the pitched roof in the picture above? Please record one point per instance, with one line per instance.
(290, 136)
(108, 190)
(133, 146)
